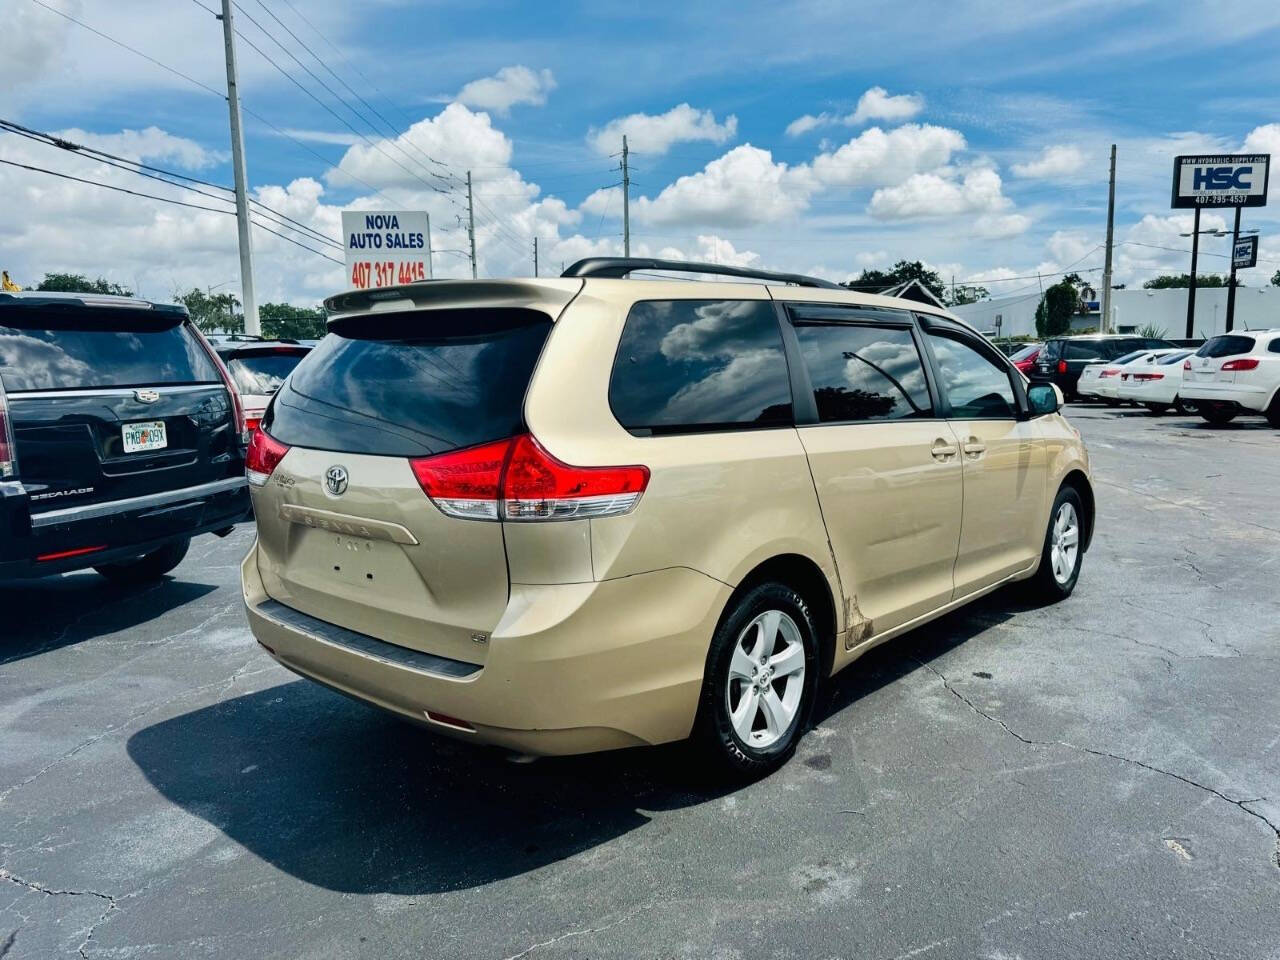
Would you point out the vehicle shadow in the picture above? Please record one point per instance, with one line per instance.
(347, 798)
(55, 612)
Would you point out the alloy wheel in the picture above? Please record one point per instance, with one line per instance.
(766, 679)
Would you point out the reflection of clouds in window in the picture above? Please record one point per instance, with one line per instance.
(721, 327)
(973, 384)
(738, 391)
(899, 360)
(862, 372)
(29, 363)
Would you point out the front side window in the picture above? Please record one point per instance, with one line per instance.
(862, 372)
(976, 387)
(685, 366)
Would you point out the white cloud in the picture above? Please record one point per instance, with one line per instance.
(1264, 139)
(507, 88)
(876, 104)
(877, 158)
(655, 133)
(30, 41)
(1069, 246)
(1056, 162)
(940, 195)
(149, 144)
(999, 226)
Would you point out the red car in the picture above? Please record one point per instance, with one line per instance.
(1025, 358)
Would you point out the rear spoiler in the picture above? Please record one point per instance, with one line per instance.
(550, 296)
(87, 309)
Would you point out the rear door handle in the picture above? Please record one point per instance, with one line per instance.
(943, 450)
(974, 448)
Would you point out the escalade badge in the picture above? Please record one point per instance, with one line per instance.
(146, 396)
(335, 479)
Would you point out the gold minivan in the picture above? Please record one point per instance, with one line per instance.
(590, 512)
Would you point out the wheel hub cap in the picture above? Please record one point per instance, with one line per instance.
(1064, 543)
(766, 679)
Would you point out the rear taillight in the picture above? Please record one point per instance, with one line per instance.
(1186, 364)
(1148, 376)
(1107, 373)
(8, 452)
(1062, 366)
(518, 480)
(264, 455)
(1244, 363)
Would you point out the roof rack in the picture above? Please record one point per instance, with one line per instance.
(616, 267)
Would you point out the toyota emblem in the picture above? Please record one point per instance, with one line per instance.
(146, 396)
(335, 480)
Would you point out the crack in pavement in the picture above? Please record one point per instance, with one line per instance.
(1240, 804)
(51, 892)
(581, 933)
(1185, 506)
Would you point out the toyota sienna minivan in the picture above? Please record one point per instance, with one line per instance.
(591, 512)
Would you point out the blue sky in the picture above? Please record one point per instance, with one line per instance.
(813, 136)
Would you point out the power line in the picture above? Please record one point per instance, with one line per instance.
(152, 196)
(124, 163)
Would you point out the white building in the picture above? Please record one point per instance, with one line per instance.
(1256, 307)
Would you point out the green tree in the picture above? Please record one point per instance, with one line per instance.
(873, 281)
(77, 283)
(284, 321)
(967, 294)
(216, 313)
(1275, 279)
(1170, 281)
(1053, 315)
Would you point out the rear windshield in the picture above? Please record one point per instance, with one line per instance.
(1129, 356)
(1174, 357)
(262, 373)
(1026, 353)
(58, 351)
(1226, 346)
(412, 384)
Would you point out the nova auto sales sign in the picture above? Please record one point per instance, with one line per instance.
(385, 247)
(1222, 180)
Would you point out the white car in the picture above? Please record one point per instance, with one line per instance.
(257, 368)
(1103, 379)
(1235, 373)
(1156, 386)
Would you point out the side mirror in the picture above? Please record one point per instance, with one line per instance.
(1044, 398)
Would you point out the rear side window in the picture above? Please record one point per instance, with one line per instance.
(1083, 350)
(1226, 346)
(685, 366)
(1275, 346)
(262, 373)
(60, 351)
(1052, 350)
(412, 384)
(862, 372)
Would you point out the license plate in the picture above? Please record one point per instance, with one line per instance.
(148, 435)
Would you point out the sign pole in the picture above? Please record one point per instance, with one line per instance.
(431, 270)
(1231, 281)
(1191, 287)
(248, 299)
(1111, 224)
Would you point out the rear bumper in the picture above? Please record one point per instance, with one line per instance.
(124, 528)
(571, 668)
(1249, 398)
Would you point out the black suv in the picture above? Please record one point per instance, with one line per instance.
(1062, 359)
(121, 437)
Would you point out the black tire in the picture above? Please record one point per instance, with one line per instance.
(1156, 409)
(1216, 414)
(149, 566)
(1183, 408)
(714, 736)
(1273, 411)
(1045, 585)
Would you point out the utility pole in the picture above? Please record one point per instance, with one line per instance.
(1231, 281)
(431, 271)
(471, 219)
(535, 256)
(1111, 225)
(1191, 287)
(247, 297)
(626, 201)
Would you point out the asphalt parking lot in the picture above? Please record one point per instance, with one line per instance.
(1096, 779)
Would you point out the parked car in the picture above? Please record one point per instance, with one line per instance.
(257, 369)
(1025, 358)
(1235, 373)
(1063, 359)
(1102, 380)
(575, 514)
(121, 437)
(1157, 386)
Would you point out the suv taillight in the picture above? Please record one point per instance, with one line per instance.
(518, 480)
(1062, 366)
(264, 455)
(1244, 363)
(8, 453)
(1186, 364)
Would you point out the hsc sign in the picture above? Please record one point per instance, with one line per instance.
(1244, 253)
(1224, 180)
(386, 247)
